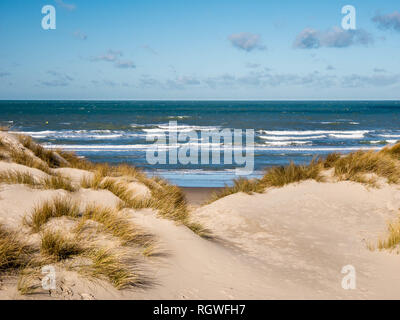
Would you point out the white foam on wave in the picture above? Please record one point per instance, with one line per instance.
(287, 143)
(81, 134)
(312, 132)
(94, 146)
(323, 149)
(283, 138)
(389, 135)
(180, 128)
(347, 136)
(33, 133)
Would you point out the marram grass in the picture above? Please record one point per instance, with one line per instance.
(55, 208)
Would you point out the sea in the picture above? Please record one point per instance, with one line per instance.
(117, 131)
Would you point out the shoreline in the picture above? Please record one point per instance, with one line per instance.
(197, 196)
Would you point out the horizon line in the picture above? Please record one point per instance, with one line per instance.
(200, 100)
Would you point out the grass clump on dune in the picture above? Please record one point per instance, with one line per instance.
(110, 265)
(58, 182)
(274, 177)
(170, 202)
(14, 254)
(117, 224)
(58, 247)
(47, 156)
(355, 165)
(118, 188)
(55, 208)
(51, 182)
(392, 240)
(281, 176)
(17, 177)
(26, 160)
(239, 185)
(75, 161)
(393, 151)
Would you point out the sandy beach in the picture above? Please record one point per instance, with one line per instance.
(113, 233)
(198, 196)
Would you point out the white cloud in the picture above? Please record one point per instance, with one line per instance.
(246, 41)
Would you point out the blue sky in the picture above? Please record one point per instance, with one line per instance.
(199, 49)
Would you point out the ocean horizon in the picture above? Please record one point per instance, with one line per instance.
(285, 131)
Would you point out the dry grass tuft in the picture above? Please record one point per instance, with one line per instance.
(58, 207)
(119, 188)
(274, 177)
(58, 182)
(117, 224)
(239, 185)
(169, 201)
(52, 182)
(14, 254)
(354, 165)
(58, 247)
(18, 177)
(26, 160)
(92, 182)
(48, 156)
(110, 265)
(331, 159)
(129, 171)
(393, 151)
(76, 161)
(393, 239)
(200, 230)
(281, 176)
(29, 280)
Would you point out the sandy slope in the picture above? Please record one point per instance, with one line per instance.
(303, 234)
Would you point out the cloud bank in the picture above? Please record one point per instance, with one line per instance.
(389, 21)
(333, 38)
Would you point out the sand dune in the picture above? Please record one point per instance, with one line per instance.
(303, 234)
(284, 243)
